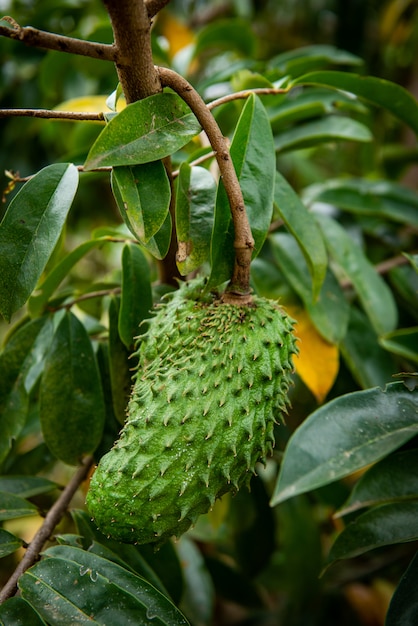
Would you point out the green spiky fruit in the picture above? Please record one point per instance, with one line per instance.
(211, 382)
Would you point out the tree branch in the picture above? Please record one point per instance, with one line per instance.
(154, 6)
(48, 114)
(243, 242)
(135, 66)
(51, 520)
(240, 95)
(42, 39)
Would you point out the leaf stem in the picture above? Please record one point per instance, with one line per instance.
(243, 241)
(52, 518)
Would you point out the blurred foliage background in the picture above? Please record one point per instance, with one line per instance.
(280, 552)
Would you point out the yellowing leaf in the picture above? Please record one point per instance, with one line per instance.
(317, 363)
(176, 32)
(87, 104)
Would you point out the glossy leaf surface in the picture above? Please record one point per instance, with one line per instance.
(358, 428)
(403, 608)
(143, 194)
(330, 312)
(195, 203)
(71, 397)
(30, 230)
(136, 297)
(378, 91)
(146, 130)
(375, 296)
(17, 612)
(303, 226)
(26, 486)
(8, 543)
(73, 586)
(252, 153)
(12, 506)
(327, 129)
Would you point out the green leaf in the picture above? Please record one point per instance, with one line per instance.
(70, 586)
(328, 129)
(374, 294)
(119, 365)
(252, 153)
(302, 225)
(195, 202)
(381, 526)
(198, 597)
(143, 195)
(366, 197)
(136, 297)
(403, 608)
(403, 342)
(26, 486)
(14, 397)
(30, 230)
(226, 34)
(71, 398)
(17, 612)
(159, 245)
(330, 312)
(146, 130)
(393, 479)
(12, 506)
(39, 299)
(8, 543)
(377, 91)
(309, 104)
(359, 428)
(369, 364)
(307, 58)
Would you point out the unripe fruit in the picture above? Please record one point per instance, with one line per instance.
(212, 381)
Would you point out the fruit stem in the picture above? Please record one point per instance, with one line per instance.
(239, 285)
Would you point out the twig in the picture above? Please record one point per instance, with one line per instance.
(240, 95)
(243, 242)
(154, 6)
(48, 114)
(89, 296)
(135, 66)
(202, 159)
(51, 520)
(42, 39)
(15, 178)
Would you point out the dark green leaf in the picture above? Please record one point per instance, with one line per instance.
(328, 129)
(393, 479)
(227, 34)
(307, 58)
(381, 526)
(366, 197)
(143, 195)
(195, 203)
(30, 230)
(330, 312)
(309, 104)
(12, 506)
(302, 225)
(136, 297)
(378, 91)
(369, 364)
(198, 598)
(70, 586)
(8, 543)
(71, 398)
(26, 486)
(146, 130)
(17, 612)
(14, 399)
(159, 245)
(38, 301)
(403, 608)
(359, 428)
(119, 365)
(374, 294)
(403, 342)
(252, 153)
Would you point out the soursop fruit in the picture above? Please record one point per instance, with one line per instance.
(212, 380)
